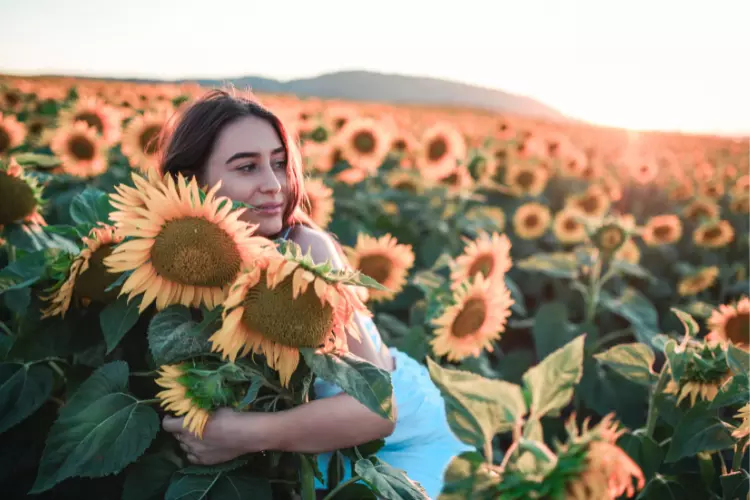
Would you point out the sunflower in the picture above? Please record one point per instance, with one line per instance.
(458, 182)
(714, 234)
(713, 189)
(662, 230)
(384, 260)
(21, 195)
(337, 117)
(442, 147)
(351, 176)
(181, 249)
(628, 252)
(644, 172)
(740, 204)
(531, 220)
(488, 255)
(743, 430)
(682, 190)
(319, 202)
(140, 141)
(176, 398)
(568, 227)
(706, 389)
(731, 323)
(12, 133)
(701, 280)
(593, 202)
(741, 186)
(701, 209)
(103, 118)
(364, 143)
(403, 146)
(406, 180)
(492, 216)
(611, 187)
(87, 279)
(82, 152)
(526, 179)
(273, 310)
(610, 236)
(477, 316)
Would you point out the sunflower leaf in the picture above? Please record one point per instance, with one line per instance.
(117, 319)
(23, 389)
(738, 359)
(735, 484)
(148, 478)
(632, 361)
(220, 485)
(691, 326)
(699, 430)
(90, 206)
(173, 335)
(98, 432)
(362, 380)
(388, 482)
(554, 264)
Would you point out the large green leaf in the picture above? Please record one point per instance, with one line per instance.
(90, 206)
(552, 382)
(551, 329)
(663, 488)
(359, 378)
(23, 389)
(117, 319)
(738, 360)
(477, 407)
(632, 361)
(173, 335)
(23, 272)
(148, 478)
(637, 309)
(388, 483)
(699, 430)
(99, 431)
(735, 485)
(736, 392)
(219, 486)
(463, 478)
(555, 264)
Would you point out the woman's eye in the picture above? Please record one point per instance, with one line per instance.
(281, 164)
(246, 168)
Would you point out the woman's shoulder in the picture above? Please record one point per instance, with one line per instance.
(319, 243)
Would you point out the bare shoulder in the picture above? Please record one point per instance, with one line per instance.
(319, 243)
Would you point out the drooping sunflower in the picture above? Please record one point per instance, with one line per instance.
(701, 209)
(282, 303)
(103, 118)
(477, 316)
(701, 280)
(140, 139)
(12, 133)
(731, 322)
(364, 143)
(488, 255)
(320, 202)
(175, 398)
(531, 220)
(593, 202)
(706, 371)
(21, 195)
(662, 230)
(181, 249)
(441, 148)
(714, 234)
(383, 259)
(568, 226)
(82, 152)
(526, 179)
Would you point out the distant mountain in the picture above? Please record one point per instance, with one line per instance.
(370, 86)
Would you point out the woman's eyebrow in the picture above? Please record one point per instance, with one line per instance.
(243, 154)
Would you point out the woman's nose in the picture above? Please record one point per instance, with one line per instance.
(269, 182)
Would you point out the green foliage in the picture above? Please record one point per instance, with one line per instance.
(174, 336)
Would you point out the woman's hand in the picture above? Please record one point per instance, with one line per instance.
(227, 435)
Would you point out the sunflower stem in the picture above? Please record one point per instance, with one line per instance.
(57, 369)
(144, 374)
(723, 463)
(148, 401)
(592, 299)
(737, 458)
(341, 486)
(653, 413)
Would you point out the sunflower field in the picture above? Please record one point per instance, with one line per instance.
(579, 295)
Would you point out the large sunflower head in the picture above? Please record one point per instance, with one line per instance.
(701, 209)
(531, 220)
(140, 140)
(695, 283)
(662, 230)
(87, 278)
(568, 226)
(283, 303)
(320, 202)
(21, 195)
(526, 179)
(364, 143)
(12, 133)
(442, 147)
(82, 152)
(714, 234)
(488, 255)
(705, 370)
(476, 317)
(177, 398)
(94, 113)
(182, 247)
(384, 260)
(731, 322)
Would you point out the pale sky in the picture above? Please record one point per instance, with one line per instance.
(654, 64)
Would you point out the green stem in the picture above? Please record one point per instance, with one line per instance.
(653, 413)
(57, 369)
(723, 463)
(592, 300)
(144, 374)
(11, 254)
(148, 401)
(737, 458)
(341, 486)
(6, 329)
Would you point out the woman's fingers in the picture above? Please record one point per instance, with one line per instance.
(184, 447)
(172, 424)
(193, 459)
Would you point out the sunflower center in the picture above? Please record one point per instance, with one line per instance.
(81, 147)
(4, 140)
(18, 199)
(437, 149)
(610, 238)
(699, 211)
(364, 142)
(571, 224)
(470, 319)
(91, 119)
(483, 264)
(148, 139)
(712, 233)
(589, 204)
(12, 98)
(35, 128)
(319, 135)
(339, 123)
(194, 251)
(663, 232)
(531, 221)
(525, 179)
(399, 145)
(377, 267)
(738, 329)
(273, 314)
(93, 282)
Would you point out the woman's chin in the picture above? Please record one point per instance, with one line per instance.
(268, 226)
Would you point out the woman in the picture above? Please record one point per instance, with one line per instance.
(237, 141)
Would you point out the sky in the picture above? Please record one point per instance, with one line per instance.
(643, 64)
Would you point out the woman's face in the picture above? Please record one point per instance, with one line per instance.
(250, 161)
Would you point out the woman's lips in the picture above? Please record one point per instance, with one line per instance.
(268, 209)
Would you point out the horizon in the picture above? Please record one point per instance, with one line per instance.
(676, 67)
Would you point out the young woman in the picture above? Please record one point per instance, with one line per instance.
(236, 140)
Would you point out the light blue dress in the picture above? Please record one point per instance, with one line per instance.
(422, 443)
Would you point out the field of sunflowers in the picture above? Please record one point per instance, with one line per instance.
(579, 295)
